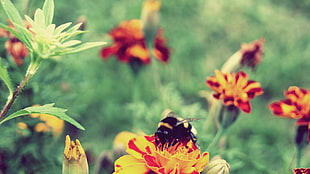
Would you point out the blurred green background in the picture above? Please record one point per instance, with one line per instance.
(202, 34)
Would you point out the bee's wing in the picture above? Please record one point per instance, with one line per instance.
(168, 113)
(186, 120)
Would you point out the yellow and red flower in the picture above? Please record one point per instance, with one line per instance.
(295, 106)
(301, 171)
(252, 53)
(14, 47)
(145, 158)
(129, 44)
(234, 89)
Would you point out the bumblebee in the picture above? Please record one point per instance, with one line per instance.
(173, 129)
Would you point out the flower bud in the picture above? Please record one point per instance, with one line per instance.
(228, 116)
(249, 54)
(75, 160)
(150, 19)
(217, 166)
(83, 20)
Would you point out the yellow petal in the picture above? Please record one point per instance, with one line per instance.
(128, 164)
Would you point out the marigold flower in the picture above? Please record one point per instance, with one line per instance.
(3, 32)
(22, 129)
(49, 123)
(75, 160)
(301, 171)
(17, 50)
(22, 125)
(15, 47)
(121, 139)
(295, 106)
(145, 157)
(252, 53)
(234, 89)
(249, 54)
(41, 127)
(129, 44)
(54, 124)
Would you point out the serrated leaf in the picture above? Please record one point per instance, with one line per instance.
(4, 75)
(48, 10)
(45, 109)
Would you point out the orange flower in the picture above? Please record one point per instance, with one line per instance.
(234, 89)
(144, 157)
(129, 44)
(14, 47)
(296, 106)
(17, 50)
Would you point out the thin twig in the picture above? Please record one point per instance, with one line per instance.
(11, 100)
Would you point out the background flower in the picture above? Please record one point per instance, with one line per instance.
(49, 123)
(129, 44)
(14, 46)
(301, 171)
(295, 106)
(234, 89)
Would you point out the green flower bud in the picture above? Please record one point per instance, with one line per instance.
(217, 166)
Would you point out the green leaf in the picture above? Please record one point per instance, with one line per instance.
(4, 75)
(70, 43)
(17, 21)
(12, 31)
(12, 12)
(39, 18)
(45, 109)
(82, 47)
(18, 35)
(48, 10)
(62, 27)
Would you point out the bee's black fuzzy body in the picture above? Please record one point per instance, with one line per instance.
(172, 130)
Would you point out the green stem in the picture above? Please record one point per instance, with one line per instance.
(11, 99)
(136, 86)
(154, 64)
(298, 156)
(212, 124)
(216, 139)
